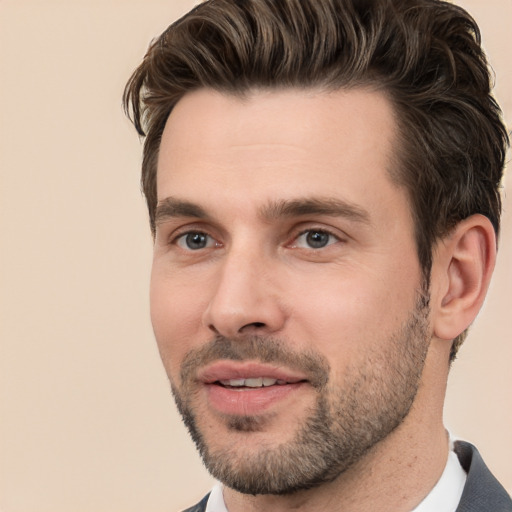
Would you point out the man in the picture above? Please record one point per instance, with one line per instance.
(322, 181)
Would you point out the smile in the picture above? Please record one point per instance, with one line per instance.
(258, 382)
(248, 388)
(247, 374)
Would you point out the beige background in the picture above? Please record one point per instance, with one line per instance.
(86, 419)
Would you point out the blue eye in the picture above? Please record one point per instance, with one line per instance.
(315, 239)
(194, 241)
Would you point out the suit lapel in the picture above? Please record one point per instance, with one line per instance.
(200, 507)
(482, 492)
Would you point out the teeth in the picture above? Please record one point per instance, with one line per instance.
(256, 382)
(234, 382)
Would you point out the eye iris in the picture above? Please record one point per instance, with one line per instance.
(317, 239)
(196, 240)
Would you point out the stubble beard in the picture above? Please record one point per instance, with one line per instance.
(346, 421)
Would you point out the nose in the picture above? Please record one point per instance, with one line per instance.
(245, 299)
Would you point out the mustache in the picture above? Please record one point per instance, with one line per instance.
(264, 349)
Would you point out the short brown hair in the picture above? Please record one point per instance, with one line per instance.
(424, 54)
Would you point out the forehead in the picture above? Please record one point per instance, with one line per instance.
(275, 144)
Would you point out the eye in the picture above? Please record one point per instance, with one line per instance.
(195, 240)
(315, 239)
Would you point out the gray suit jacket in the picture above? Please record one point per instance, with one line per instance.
(482, 492)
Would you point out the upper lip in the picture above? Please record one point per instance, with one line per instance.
(227, 370)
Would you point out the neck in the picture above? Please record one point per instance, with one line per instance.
(394, 476)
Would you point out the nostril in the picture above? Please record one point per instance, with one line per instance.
(253, 325)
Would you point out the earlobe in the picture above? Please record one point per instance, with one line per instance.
(463, 264)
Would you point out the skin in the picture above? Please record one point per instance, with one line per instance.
(258, 275)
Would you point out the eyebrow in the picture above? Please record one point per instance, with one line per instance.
(172, 207)
(329, 206)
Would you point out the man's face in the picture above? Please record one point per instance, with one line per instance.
(286, 290)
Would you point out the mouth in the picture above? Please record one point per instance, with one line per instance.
(248, 374)
(243, 389)
(253, 382)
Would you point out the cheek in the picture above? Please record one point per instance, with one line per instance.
(349, 314)
(176, 316)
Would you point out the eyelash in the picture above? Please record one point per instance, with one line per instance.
(293, 244)
(184, 235)
(316, 230)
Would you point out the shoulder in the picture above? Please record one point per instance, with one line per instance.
(200, 507)
(482, 492)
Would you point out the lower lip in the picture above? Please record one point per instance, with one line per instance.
(247, 401)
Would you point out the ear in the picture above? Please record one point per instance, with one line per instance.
(462, 266)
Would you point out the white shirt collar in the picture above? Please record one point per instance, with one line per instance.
(444, 497)
(216, 500)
